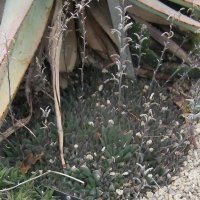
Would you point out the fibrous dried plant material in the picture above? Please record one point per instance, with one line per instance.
(22, 122)
(25, 165)
(55, 42)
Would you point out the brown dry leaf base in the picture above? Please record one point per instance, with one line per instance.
(25, 165)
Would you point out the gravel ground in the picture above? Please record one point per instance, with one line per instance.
(186, 185)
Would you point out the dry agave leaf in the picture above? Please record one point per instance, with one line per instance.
(25, 165)
(188, 3)
(179, 98)
(22, 26)
(68, 54)
(158, 8)
(55, 43)
(101, 13)
(97, 39)
(145, 15)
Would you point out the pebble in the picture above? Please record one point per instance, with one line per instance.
(186, 185)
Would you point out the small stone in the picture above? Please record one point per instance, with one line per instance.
(198, 130)
(89, 157)
(171, 191)
(185, 163)
(186, 173)
(177, 197)
(195, 154)
(149, 194)
(173, 187)
(168, 197)
(119, 192)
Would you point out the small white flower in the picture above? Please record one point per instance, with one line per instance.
(123, 113)
(146, 105)
(151, 149)
(142, 123)
(151, 112)
(182, 130)
(120, 26)
(151, 97)
(119, 192)
(76, 146)
(89, 157)
(151, 118)
(41, 171)
(112, 173)
(100, 87)
(138, 134)
(45, 113)
(91, 124)
(79, 6)
(178, 153)
(168, 176)
(146, 87)
(164, 109)
(103, 149)
(52, 161)
(125, 174)
(176, 123)
(74, 168)
(166, 137)
(149, 142)
(160, 122)
(144, 90)
(124, 106)
(149, 175)
(108, 102)
(95, 154)
(104, 70)
(187, 142)
(110, 121)
(162, 97)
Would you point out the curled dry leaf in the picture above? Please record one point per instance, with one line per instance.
(98, 135)
(25, 165)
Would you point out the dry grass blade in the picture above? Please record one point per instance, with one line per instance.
(55, 43)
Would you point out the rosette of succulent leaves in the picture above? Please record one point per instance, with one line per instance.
(116, 158)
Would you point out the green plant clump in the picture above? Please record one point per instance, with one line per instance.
(116, 158)
(11, 177)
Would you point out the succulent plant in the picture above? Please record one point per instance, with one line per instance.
(115, 159)
(10, 177)
(140, 36)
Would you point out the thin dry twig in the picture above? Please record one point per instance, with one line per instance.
(7, 189)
